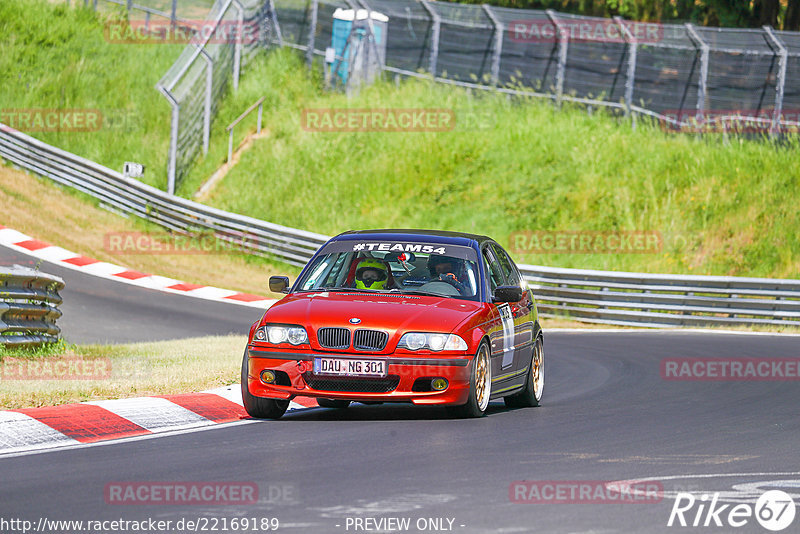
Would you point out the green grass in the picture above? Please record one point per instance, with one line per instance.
(721, 205)
(56, 57)
(33, 377)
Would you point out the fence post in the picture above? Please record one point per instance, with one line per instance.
(173, 140)
(563, 46)
(173, 16)
(275, 24)
(237, 49)
(498, 43)
(630, 76)
(311, 31)
(435, 31)
(783, 57)
(702, 89)
(207, 105)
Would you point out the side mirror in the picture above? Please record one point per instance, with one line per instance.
(279, 284)
(507, 294)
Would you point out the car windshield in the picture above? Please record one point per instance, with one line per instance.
(413, 267)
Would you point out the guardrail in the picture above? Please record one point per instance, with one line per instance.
(28, 307)
(175, 213)
(258, 104)
(655, 300)
(663, 300)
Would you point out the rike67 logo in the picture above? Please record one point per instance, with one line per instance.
(774, 510)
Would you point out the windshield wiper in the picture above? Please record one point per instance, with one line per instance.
(418, 292)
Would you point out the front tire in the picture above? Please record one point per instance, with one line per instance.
(480, 386)
(260, 407)
(531, 396)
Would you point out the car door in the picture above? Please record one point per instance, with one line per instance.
(501, 332)
(522, 312)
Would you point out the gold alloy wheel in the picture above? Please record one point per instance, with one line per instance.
(537, 369)
(483, 378)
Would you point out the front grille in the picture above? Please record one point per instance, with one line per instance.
(334, 338)
(370, 340)
(352, 385)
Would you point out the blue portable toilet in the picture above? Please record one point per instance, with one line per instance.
(347, 22)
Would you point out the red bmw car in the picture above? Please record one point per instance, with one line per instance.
(428, 317)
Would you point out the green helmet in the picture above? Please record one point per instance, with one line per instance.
(371, 274)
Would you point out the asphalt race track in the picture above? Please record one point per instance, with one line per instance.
(97, 310)
(607, 415)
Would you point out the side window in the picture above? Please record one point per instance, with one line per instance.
(493, 272)
(510, 270)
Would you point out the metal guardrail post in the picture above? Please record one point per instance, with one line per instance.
(173, 140)
(173, 17)
(563, 46)
(702, 89)
(498, 43)
(274, 15)
(630, 76)
(312, 30)
(208, 98)
(435, 32)
(783, 59)
(259, 103)
(237, 47)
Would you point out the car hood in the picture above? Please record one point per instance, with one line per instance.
(390, 312)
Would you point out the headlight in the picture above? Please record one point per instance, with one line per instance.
(277, 334)
(432, 341)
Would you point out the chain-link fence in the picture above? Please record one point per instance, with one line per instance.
(690, 78)
(176, 11)
(222, 36)
(233, 31)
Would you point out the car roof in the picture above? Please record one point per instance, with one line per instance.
(436, 236)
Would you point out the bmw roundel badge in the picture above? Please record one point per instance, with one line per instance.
(355, 320)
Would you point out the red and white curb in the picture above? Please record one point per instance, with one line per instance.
(31, 429)
(27, 245)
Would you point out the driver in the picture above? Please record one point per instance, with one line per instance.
(371, 274)
(448, 269)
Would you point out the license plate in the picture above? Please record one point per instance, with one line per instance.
(348, 367)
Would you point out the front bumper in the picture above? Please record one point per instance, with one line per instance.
(405, 374)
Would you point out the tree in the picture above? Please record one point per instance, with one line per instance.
(792, 20)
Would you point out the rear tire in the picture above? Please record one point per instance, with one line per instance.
(480, 386)
(531, 396)
(333, 403)
(259, 407)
